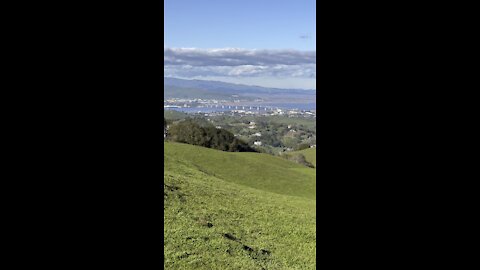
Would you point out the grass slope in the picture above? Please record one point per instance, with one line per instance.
(260, 171)
(310, 155)
(216, 219)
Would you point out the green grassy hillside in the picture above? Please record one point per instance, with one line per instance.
(260, 171)
(310, 155)
(237, 211)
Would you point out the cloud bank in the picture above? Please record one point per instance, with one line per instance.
(236, 57)
(239, 63)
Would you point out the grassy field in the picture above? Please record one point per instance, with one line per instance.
(237, 210)
(310, 155)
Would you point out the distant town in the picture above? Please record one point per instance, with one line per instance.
(215, 107)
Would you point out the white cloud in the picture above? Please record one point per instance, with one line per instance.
(236, 57)
(240, 63)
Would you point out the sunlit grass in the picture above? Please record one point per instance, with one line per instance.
(237, 211)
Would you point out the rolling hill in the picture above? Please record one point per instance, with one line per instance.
(237, 210)
(310, 155)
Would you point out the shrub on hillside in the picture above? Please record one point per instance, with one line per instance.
(298, 158)
(206, 135)
(302, 146)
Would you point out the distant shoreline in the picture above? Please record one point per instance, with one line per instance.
(284, 106)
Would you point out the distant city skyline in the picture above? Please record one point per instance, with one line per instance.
(264, 42)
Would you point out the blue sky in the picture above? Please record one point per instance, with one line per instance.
(241, 32)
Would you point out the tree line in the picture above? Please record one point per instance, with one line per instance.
(204, 134)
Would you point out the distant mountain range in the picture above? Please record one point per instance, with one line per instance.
(180, 88)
